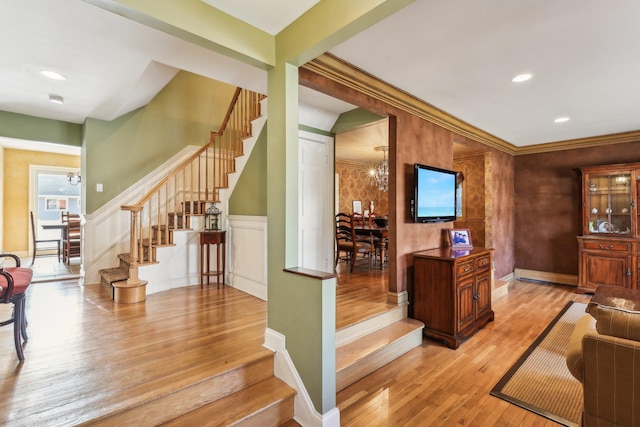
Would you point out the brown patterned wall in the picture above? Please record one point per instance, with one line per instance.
(547, 212)
(355, 184)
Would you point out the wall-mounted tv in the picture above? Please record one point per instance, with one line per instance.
(434, 194)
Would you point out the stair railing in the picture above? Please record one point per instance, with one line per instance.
(192, 185)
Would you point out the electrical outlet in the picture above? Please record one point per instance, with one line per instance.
(99, 188)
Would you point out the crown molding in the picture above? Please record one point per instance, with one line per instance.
(570, 144)
(353, 164)
(339, 71)
(342, 72)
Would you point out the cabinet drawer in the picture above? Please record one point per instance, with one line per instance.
(464, 267)
(606, 246)
(483, 262)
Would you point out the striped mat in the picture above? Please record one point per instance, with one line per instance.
(540, 381)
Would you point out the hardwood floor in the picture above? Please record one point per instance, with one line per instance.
(87, 355)
(433, 385)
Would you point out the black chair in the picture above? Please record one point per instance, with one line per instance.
(49, 243)
(14, 282)
(347, 242)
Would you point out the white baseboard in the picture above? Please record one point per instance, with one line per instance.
(284, 369)
(544, 276)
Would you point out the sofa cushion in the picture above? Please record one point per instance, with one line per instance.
(616, 322)
(574, 356)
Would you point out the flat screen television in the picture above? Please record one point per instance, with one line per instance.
(434, 196)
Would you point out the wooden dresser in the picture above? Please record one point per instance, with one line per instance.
(451, 292)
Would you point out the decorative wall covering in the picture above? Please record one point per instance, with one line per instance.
(355, 184)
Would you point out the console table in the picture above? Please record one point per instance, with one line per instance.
(208, 238)
(451, 293)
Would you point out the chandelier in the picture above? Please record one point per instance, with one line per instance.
(380, 173)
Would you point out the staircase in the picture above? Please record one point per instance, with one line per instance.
(368, 345)
(184, 192)
(243, 392)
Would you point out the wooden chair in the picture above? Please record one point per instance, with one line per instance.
(358, 219)
(72, 238)
(382, 243)
(347, 242)
(14, 282)
(49, 243)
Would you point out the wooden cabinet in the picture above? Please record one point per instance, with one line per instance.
(451, 292)
(608, 247)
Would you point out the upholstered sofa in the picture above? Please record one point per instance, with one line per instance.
(604, 355)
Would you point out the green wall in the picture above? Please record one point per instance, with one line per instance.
(122, 151)
(353, 119)
(250, 194)
(20, 126)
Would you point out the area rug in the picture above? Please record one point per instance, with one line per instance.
(540, 380)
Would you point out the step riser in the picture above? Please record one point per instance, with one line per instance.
(179, 402)
(374, 361)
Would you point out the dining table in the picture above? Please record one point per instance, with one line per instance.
(57, 226)
(63, 227)
(382, 233)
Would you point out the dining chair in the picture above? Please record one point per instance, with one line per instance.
(347, 242)
(49, 243)
(14, 282)
(73, 236)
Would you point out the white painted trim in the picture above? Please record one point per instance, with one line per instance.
(247, 243)
(304, 412)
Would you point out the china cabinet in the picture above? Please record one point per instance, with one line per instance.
(608, 246)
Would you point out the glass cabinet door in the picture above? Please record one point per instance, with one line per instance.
(608, 203)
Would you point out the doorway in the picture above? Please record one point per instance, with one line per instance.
(53, 190)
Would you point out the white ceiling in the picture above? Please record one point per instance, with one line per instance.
(458, 55)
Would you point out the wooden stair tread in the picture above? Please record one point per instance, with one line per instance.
(169, 397)
(260, 400)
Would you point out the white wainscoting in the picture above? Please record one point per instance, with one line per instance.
(106, 231)
(247, 254)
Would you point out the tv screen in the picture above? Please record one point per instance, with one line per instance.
(434, 194)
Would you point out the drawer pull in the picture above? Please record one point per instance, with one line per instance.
(467, 267)
(607, 247)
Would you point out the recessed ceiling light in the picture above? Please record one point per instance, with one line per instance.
(561, 119)
(521, 78)
(56, 99)
(53, 75)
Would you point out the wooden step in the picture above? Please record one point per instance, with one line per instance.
(364, 355)
(393, 313)
(110, 275)
(269, 402)
(170, 401)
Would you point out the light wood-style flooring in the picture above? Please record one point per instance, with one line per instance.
(86, 354)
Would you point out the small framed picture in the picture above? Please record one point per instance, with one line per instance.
(460, 238)
(357, 206)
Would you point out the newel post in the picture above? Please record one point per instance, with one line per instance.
(133, 289)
